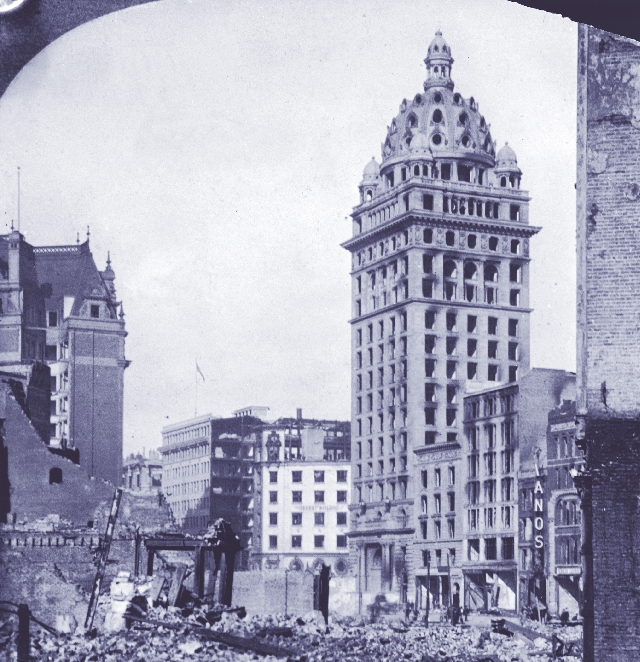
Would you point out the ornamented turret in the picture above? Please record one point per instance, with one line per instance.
(438, 63)
(109, 276)
(370, 180)
(507, 172)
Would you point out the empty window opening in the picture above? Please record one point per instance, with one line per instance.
(515, 246)
(452, 417)
(493, 243)
(513, 373)
(452, 369)
(416, 170)
(503, 182)
(466, 141)
(452, 344)
(513, 327)
(492, 373)
(430, 392)
(492, 326)
(450, 269)
(427, 202)
(389, 179)
(430, 416)
(429, 319)
(429, 437)
(472, 370)
(452, 322)
(437, 97)
(472, 323)
(427, 264)
(464, 172)
(429, 368)
(55, 475)
(436, 139)
(514, 297)
(437, 116)
(470, 271)
(427, 236)
(515, 273)
(446, 171)
(403, 174)
(452, 394)
(53, 319)
(427, 288)
(513, 351)
(413, 120)
(490, 273)
(95, 311)
(429, 344)
(472, 241)
(514, 213)
(472, 347)
(492, 349)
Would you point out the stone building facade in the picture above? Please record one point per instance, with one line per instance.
(302, 494)
(57, 308)
(440, 288)
(142, 473)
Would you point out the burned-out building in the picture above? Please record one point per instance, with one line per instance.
(440, 295)
(505, 452)
(142, 472)
(302, 495)
(564, 518)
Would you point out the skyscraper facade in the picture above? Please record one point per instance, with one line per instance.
(440, 273)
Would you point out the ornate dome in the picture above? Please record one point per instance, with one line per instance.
(506, 158)
(420, 143)
(371, 171)
(450, 124)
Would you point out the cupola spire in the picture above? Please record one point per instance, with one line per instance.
(438, 63)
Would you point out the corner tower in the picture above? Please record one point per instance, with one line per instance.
(440, 273)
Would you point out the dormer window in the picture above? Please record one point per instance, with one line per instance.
(53, 318)
(95, 311)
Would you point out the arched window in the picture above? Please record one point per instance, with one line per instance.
(369, 195)
(503, 181)
(416, 170)
(55, 475)
(450, 269)
(463, 119)
(437, 116)
(457, 98)
(437, 97)
(490, 273)
(412, 121)
(470, 271)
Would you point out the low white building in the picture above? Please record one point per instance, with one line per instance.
(302, 496)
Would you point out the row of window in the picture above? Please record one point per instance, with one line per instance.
(491, 405)
(490, 515)
(380, 468)
(437, 529)
(186, 470)
(187, 488)
(437, 503)
(562, 445)
(318, 519)
(381, 446)
(391, 493)
(437, 477)
(450, 556)
(318, 542)
(318, 476)
(490, 549)
(490, 487)
(318, 496)
(184, 506)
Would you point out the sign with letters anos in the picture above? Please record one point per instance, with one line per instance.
(538, 519)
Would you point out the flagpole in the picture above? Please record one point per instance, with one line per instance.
(196, 376)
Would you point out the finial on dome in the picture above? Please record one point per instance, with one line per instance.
(438, 63)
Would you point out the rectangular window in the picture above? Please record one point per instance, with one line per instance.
(492, 326)
(318, 542)
(473, 550)
(318, 519)
(296, 541)
(95, 311)
(342, 519)
(513, 328)
(429, 319)
(429, 367)
(318, 476)
(427, 236)
(472, 322)
(296, 519)
(273, 497)
(429, 344)
(490, 549)
(464, 173)
(296, 496)
(341, 541)
(342, 496)
(430, 392)
(514, 212)
(425, 478)
(513, 373)
(472, 370)
(273, 542)
(452, 417)
(429, 437)
(514, 297)
(273, 519)
(273, 476)
(296, 476)
(451, 524)
(318, 497)
(492, 349)
(492, 373)
(452, 322)
(437, 530)
(452, 477)
(427, 288)
(472, 347)
(451, 497)
(446, 171)
(53, 319)
(513, 351)
(427, 203)
(430, 416)
(342, 476)
(452, 344)
(50, 353)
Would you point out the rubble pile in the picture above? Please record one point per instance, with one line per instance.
(185, 634)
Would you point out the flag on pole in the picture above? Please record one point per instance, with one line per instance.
(199, 372)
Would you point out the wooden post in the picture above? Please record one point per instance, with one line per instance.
(24, 644)
(137, 552)
(226, 580)
(150, 563)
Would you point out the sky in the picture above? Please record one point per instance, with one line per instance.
(215, 149)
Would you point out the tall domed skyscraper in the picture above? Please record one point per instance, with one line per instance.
(440, 269)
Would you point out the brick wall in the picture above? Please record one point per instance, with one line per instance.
(608, 230)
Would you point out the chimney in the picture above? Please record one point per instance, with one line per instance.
(299, 414)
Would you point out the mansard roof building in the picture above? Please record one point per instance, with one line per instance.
(440, 278)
